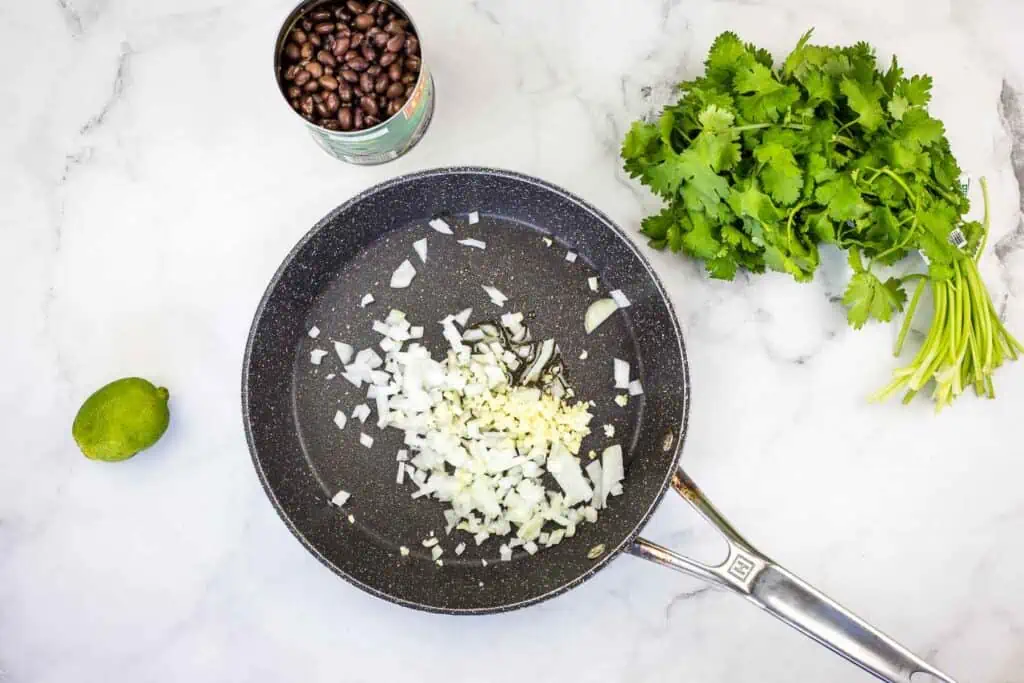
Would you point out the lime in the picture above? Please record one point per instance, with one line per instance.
(120, 419)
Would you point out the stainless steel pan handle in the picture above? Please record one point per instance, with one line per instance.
(783, 595)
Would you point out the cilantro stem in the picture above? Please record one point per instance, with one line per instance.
(985, 224)
(789, 223)
(911, 309)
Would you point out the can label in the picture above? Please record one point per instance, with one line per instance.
(389, 139)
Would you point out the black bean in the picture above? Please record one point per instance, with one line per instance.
(395, 90)
(358, 64)
(357, 39)
(381, 40)
(328, 82)
(306, 104)
(358, 93)
(320, 15)
(330, 124)
(350, 76)
(396, 43)
(371, 121)
(369, 105)
(350, 55)
(368, 52)
(341, 15)
(315, 69)
(395, 71)
(341, 46)
(372, 7)
(332, 101)
(355, 7)
(345, 118)
(306, 51)
(394, 106)
(375, 70)
(302, 77)
(412, 64)
(412, 45)
(324, 28)
(299, 36)
(294, 92)
(326, 58)
(364, 21)
(311, 86)
(366, 82)
(409, 89)
(345, 92)
(307, 25)
(387, 58)
(321, 109)
(381, 84)
(408, 78)
(289, 73)
(315, 39)
(291, 51)
(358, 122)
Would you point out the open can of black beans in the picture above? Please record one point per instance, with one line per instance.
(353, 70)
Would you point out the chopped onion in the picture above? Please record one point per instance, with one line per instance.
(547, 241)
(565, 468)
(474, 217)
(476, 244)
(403, 551)
(609, 430)
(621, 400)
(367, 300)
(344, 351)
(597, 313)
(403, 275)
(421, 249)
(415, 332)
(463, 317)
(351, 519)
(340, 420)
(361, 412)
(635, 388)
(612, 472)
(441, 226)
(436, 552)
(583, 354)
(340, 498)
(460, 548)
(316, 355)
(495, 295)
(621, 370)
(357, 381)
(330, 375)
(366, 440)
(592, 281)
(400, 477)
(505, 552)
(430, 542)
(402, 455)
(620, 298)
(314, 332)
(570, 256)
(594, 471)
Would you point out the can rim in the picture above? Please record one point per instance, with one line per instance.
(302, 8)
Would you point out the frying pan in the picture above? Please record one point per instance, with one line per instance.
(303, 459)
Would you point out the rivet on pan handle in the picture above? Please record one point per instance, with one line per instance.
(783, 595)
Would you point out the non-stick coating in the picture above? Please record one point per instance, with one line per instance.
(288, 403)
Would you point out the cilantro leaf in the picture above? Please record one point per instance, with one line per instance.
(865, 100)
(781, 175)
(868, 298)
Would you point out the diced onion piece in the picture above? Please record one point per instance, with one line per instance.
(400, 477)
(403, 551)
(436, 552)
(547, 241)
(460, 548)
(430, 542)
(592, 281)
(440, 225)
(344, 351)
(351, 519)
(316, 355)
(621, 400)
(570, 256)
(597, 313)
(621, 370)
(366, 440)
(505, 552)
(476, 244)
(357, 381)
(609, 430)
(421, 249)
(361, 412)
(403, 275)
(594, 471)
(330, 375)
(565, 468)
(463, 317)
(402, 455)
(612, 471)
(380, 328)
(495, 295)
(620, 298)
(530, 547)
(635, 388)
(474, 217)
(583, 354)
(314, 332)
(367, 300)
(340, 420)
(340, 498)
(416, 332)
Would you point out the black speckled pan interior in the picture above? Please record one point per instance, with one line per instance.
(303, 459)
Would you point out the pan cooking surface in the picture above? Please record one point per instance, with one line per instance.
(302, 457)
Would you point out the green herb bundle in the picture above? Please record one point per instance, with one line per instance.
(760, 165)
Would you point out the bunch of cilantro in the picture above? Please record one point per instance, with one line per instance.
(759, 166)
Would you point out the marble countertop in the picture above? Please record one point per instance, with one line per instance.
(152, 182)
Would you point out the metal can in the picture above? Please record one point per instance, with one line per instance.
(383, 142)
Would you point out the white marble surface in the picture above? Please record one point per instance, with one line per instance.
(152, 181)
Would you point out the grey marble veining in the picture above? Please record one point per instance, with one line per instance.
(152, 181)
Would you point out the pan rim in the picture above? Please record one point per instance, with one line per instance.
(321, 224)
